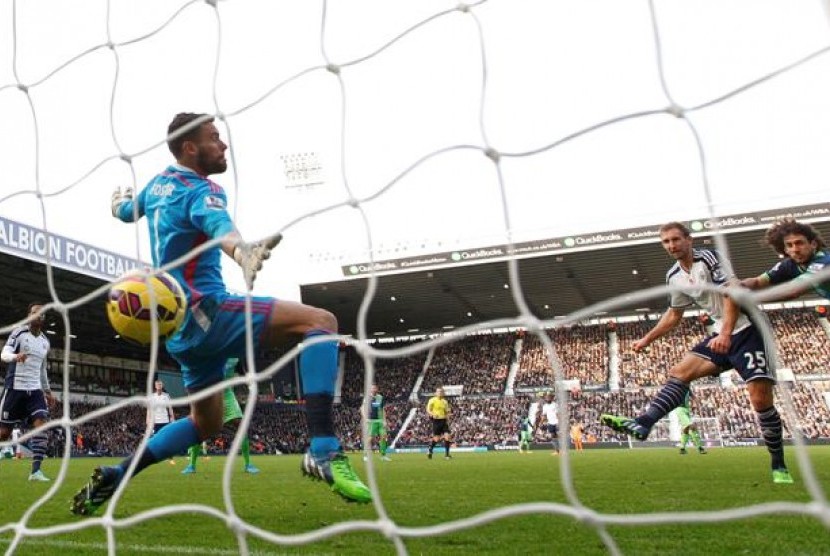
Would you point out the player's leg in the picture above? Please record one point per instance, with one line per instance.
(554, 437)
(447, 441)
(318, 373)
(748, 356)
(761, 399)
(698, 363)
(192, 457)
(694, 435)
(435, 439)
(204, 421)
(232, 417)
(36, 412)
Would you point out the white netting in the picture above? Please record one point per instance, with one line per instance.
(274, 99)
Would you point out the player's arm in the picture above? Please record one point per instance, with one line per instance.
(44, 384)
(670, 319)
(723, 341)
(125, 207)
(429, 408)
(783, 272)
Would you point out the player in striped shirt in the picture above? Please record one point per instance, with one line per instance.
(27, 394)
(232, 419)
(186, 211)
(736, 344)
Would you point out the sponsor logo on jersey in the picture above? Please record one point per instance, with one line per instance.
(214, 202)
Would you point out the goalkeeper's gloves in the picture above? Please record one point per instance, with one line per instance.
(249, 256)
(119, 198)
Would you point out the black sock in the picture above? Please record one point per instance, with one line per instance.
(432, 446)
(771, 429)
(671, 395)
(446, 447)
(318, 410)
(147, 459)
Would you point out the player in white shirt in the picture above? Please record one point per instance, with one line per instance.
(736, 344)
(27, 394)
(161, 415)
(550, 415)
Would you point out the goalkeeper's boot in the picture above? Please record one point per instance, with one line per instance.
(189, 470)
(682, 451)
(338, 473)
(252, 469)
(625, 426)
(782, 476)
(701, 450)
(100, 488)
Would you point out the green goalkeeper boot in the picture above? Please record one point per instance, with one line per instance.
(625, 426)
(338, 473)
(782, 476)
(100, 488)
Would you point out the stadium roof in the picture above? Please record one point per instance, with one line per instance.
(434, 300)
(419, 302)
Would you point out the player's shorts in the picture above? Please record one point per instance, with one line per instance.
(524, 436)
(202, 353)
(158, 426)
(22, 405)
(377, 428)
(747, 355)
(232, 409)
(684, 417)
(552, 429)
(440, 426)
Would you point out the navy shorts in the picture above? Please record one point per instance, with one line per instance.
(747, 355)
(22, 405)
(553, 429)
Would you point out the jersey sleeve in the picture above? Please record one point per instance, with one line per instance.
(782, 272)
(209, 213)
(714, 263)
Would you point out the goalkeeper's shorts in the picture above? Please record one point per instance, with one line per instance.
(202, 352)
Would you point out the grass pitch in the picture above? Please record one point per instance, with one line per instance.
(417, 492)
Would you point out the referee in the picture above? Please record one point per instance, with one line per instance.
(438, 409)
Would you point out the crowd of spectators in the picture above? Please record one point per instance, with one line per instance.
(650, 366)
(581, 350)
(803, 346)
(479, 363)
(395, 378)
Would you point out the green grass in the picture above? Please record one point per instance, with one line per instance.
(417, 492)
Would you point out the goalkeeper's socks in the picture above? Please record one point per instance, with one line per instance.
(246, 451)
(193, 452)
(318, 372)
(166, 443)
(684, 440)
(382, 445)
(318, 365)
(771, 431)
(670, 396)
(696, 439)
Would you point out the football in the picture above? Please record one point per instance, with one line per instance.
(133, 301)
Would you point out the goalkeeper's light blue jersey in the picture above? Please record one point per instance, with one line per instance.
(184, 210)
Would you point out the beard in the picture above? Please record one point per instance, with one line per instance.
(211, 165)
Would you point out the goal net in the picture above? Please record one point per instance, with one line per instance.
(492, 119)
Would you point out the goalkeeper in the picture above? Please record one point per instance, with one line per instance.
(232, 419)
(186, 211)
(688, 430)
